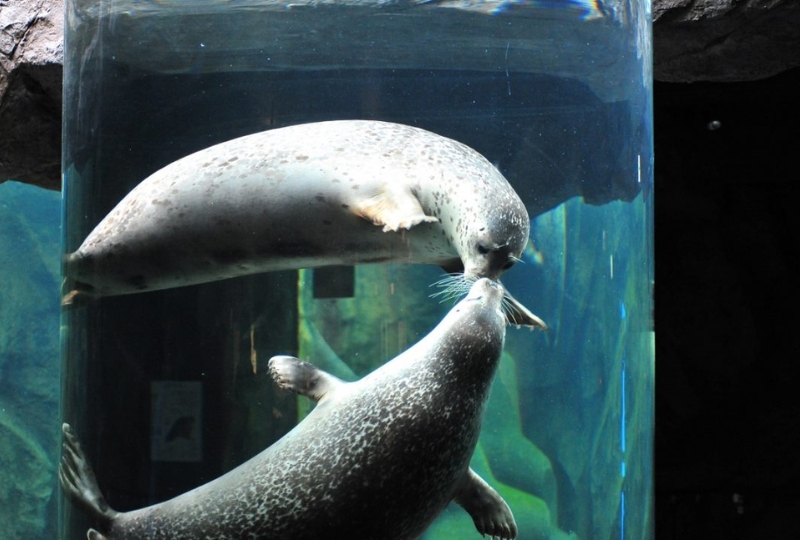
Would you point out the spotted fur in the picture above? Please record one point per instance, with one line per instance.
(329, 193)
(377, 459)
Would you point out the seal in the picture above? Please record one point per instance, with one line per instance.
(376, 459)
(329, 193)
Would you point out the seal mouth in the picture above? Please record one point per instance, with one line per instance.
(483, 286)
(492, 260)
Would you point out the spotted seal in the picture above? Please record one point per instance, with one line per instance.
(329, 193)
(377, 459)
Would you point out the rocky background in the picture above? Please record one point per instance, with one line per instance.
(726, 140)
(29, 382)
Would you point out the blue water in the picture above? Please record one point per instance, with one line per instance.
(556, 95)
(29, 360)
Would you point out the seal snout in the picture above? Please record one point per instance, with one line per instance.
(485, 288)
(490, 260)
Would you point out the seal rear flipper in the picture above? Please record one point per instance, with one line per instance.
(488, 510)
(519, 315)
(303, 378)
(80, 485)
(394, 209)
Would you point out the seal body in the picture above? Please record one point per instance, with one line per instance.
(378, 458)
(329, 193)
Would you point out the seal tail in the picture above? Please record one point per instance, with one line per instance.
(80, 485)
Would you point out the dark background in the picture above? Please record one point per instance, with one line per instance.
(727, 408)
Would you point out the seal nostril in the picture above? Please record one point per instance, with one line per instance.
(483, 250)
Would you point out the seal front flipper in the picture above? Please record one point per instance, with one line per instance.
(303, 378)
(518, 314)
(395, 209)
(80, 485)
(74, 291)
(488, 510)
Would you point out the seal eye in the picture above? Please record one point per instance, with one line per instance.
(483, 250)
(508, 265)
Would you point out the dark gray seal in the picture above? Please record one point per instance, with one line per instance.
(377, 459)
(330, 193)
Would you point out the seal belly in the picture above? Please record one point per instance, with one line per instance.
(248, 206)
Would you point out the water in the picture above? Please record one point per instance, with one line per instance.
(168, 389)
(29, 360)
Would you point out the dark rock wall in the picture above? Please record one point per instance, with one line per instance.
(727, 412)
(724, 40)
(31, 53)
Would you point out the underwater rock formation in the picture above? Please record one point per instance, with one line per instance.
(26, 481)
(29, 359)
(513, 458)
(584, 397)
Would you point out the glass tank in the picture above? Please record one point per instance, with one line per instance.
(169, 387)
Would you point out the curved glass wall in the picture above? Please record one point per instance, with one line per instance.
(169, 389)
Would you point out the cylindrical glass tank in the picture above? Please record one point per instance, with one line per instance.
(169, 389)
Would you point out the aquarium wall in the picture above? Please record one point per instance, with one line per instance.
(169, 389)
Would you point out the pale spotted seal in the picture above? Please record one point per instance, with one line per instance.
(330, 193)
(377, 459)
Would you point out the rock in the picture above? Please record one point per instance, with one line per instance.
(724, 40)
(514, 459)
(588, 282)
(31, 56)
(28, 481)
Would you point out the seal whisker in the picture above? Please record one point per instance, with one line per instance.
(453, 286)
(509, 308)
(448, 279)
